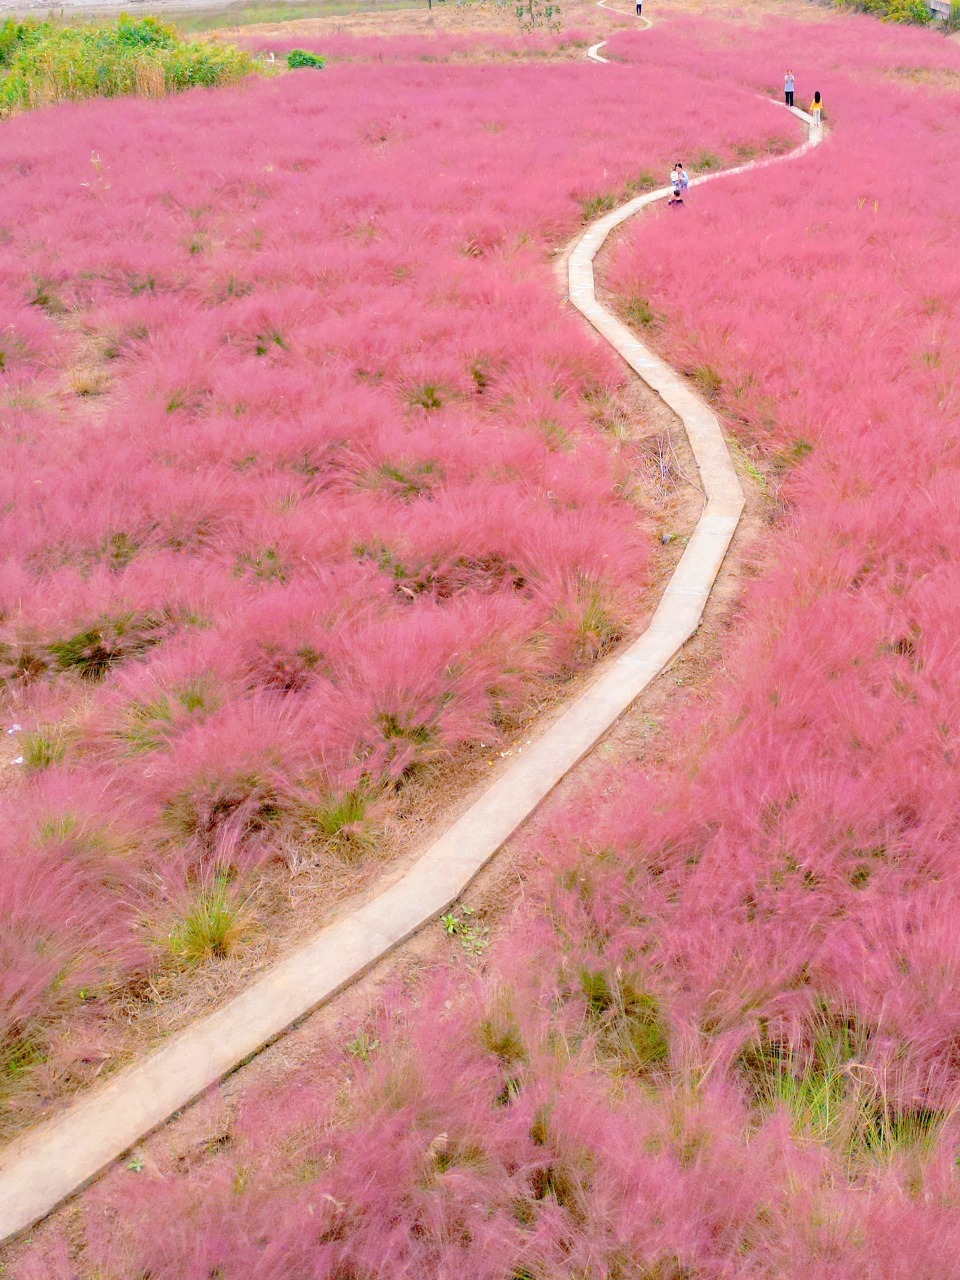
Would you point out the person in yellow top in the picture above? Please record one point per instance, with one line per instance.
(816, 108)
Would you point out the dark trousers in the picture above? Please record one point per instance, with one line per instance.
(788, 94)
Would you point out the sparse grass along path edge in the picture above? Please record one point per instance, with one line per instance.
(57, 1159)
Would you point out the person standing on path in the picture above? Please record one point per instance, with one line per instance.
(788, 88)
(816, 109)
(639, 8)
(683, 179)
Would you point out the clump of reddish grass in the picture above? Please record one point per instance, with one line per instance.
(302, 490)
(720, 1033)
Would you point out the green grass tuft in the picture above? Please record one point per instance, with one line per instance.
(593, 206)
(427, 396)
(214, 926)
(151, 724)
(627, 1020)
(834, 1095)
(43, 747)
(709, 382)
(91, 653)
(638, 311)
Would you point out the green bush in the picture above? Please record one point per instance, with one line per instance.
(304, 58)
(49, 61)
(915, 12)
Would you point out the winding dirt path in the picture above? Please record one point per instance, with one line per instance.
(55, 1160)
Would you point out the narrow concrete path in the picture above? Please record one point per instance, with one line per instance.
(593, 53)
(53, 1161)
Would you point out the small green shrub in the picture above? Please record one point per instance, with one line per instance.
(339, 823)
(590, 619)
(831, 1092)
(401, 726)
(480, 373)
(473, 934)
(501, 1036)
(267, 340)
(304, 58)
(793, 454)
(406, 480)
(119, 549)
(334, 816)
(706, 161)
(363, 1046)
(44, 294)
(265, 563)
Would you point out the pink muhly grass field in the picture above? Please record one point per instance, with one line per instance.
(304, 486)
(475, 47)
(720, 1034)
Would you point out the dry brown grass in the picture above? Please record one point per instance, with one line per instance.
(487, 18)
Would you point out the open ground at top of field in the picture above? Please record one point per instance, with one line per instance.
(720, 1033)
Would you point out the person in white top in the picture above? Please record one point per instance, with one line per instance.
(788, 87)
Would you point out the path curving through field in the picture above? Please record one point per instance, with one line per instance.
(55, 1160)
(593, 53)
